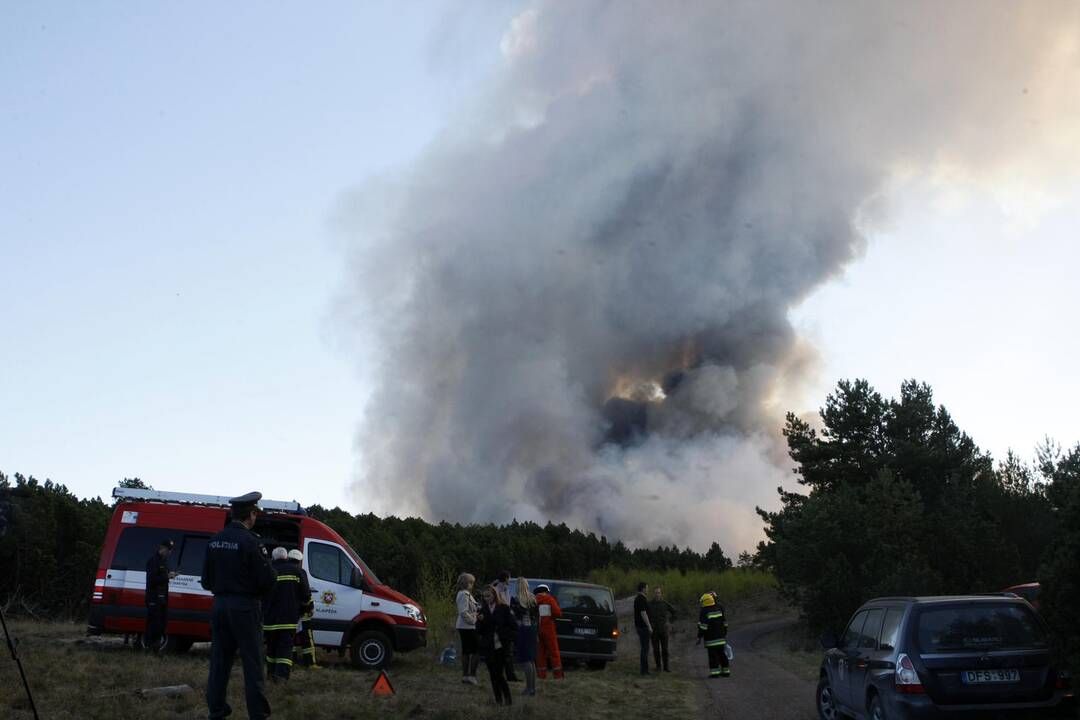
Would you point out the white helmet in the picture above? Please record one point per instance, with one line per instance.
(296, 555)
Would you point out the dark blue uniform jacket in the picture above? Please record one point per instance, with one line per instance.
(234, 566)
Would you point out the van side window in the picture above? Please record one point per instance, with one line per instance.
(192, 555)
(851, 635)
(869, 634)
(327, 562)
(137, 544)
(890, 630)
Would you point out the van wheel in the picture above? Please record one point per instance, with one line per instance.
(877, 709)
(371, 650)
(597, 664)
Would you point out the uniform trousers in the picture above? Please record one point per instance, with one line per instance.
(156, 618)
(236, 627)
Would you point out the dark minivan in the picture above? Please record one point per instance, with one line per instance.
(978, 656)
(588, 629)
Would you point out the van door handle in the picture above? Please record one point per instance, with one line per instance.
(374, 603)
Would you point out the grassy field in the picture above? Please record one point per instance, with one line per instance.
(680, 589)
(77, 677)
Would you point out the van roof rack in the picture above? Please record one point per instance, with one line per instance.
(193, 499)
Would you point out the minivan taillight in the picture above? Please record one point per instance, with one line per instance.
(1064, 681)
(907, 679)
(99, 588)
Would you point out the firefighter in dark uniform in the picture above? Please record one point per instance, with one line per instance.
(238, 575)
(281, 614)
(157, 595)
(712, 629)
(305, 640)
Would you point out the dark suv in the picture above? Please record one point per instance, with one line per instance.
(979, 656)
(588, 629)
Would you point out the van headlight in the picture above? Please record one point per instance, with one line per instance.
(414, 612)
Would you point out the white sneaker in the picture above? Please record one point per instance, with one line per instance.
(472, 680)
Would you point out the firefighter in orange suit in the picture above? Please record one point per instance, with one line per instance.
(548, 649)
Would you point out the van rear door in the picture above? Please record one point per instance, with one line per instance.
(587, 629)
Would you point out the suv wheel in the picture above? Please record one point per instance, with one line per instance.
(877, 709)
(826, 702)
(371, 650)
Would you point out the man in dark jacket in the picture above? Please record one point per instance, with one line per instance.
(281, 613)
(661, 613)
(157, 595)
(238, 575)
(712, 628)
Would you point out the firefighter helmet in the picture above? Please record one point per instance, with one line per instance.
(707, 599)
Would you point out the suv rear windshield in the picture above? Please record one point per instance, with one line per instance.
(978, 628)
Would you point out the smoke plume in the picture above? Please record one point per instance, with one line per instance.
(580, 293)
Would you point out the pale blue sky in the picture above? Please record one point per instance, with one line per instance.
(168, 173)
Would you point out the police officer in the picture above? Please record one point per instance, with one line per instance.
(238, 575)
(157, 595)
(281, 614)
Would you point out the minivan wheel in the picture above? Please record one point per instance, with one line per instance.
(877, 709)
(826, 702)
(371, 650)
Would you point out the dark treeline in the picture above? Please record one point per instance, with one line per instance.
(49, 552)
(407, 553)
(900, 501)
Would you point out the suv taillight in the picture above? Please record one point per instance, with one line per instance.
(907, 679)
(99, 588)
(1064, 681)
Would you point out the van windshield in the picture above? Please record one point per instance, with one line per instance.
(368, 572)
(979, 628)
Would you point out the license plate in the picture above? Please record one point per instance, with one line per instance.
(982, 677)
(585, 631)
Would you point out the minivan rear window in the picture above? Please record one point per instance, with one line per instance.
(585, 599)
(979, 627)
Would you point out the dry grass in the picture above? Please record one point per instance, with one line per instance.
(77, 677)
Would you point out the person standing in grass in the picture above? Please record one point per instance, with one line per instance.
(502, 590)
(157, 595)
(661, 614)
(238, 575)
(495, 631)
(466, 627)
(548, 637)
(642, 624)
(282, 607)
(527, 614)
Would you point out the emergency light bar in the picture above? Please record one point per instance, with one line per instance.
(192, 499)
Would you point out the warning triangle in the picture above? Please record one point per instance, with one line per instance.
(382, 685)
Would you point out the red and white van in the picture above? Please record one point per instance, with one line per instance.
(354, 611)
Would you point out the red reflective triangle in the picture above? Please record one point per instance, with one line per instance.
(382, 685)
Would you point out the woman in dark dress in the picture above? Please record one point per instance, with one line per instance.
(495, 631)
(527, 614)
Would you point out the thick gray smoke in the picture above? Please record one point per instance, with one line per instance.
(581, 293)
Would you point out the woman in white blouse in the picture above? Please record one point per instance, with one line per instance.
(467, 608)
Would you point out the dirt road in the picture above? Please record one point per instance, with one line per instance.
(758, 687)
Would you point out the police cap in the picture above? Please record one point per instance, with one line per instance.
(245, 503)
(167, 543)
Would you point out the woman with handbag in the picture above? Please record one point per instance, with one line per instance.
(495, 631)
